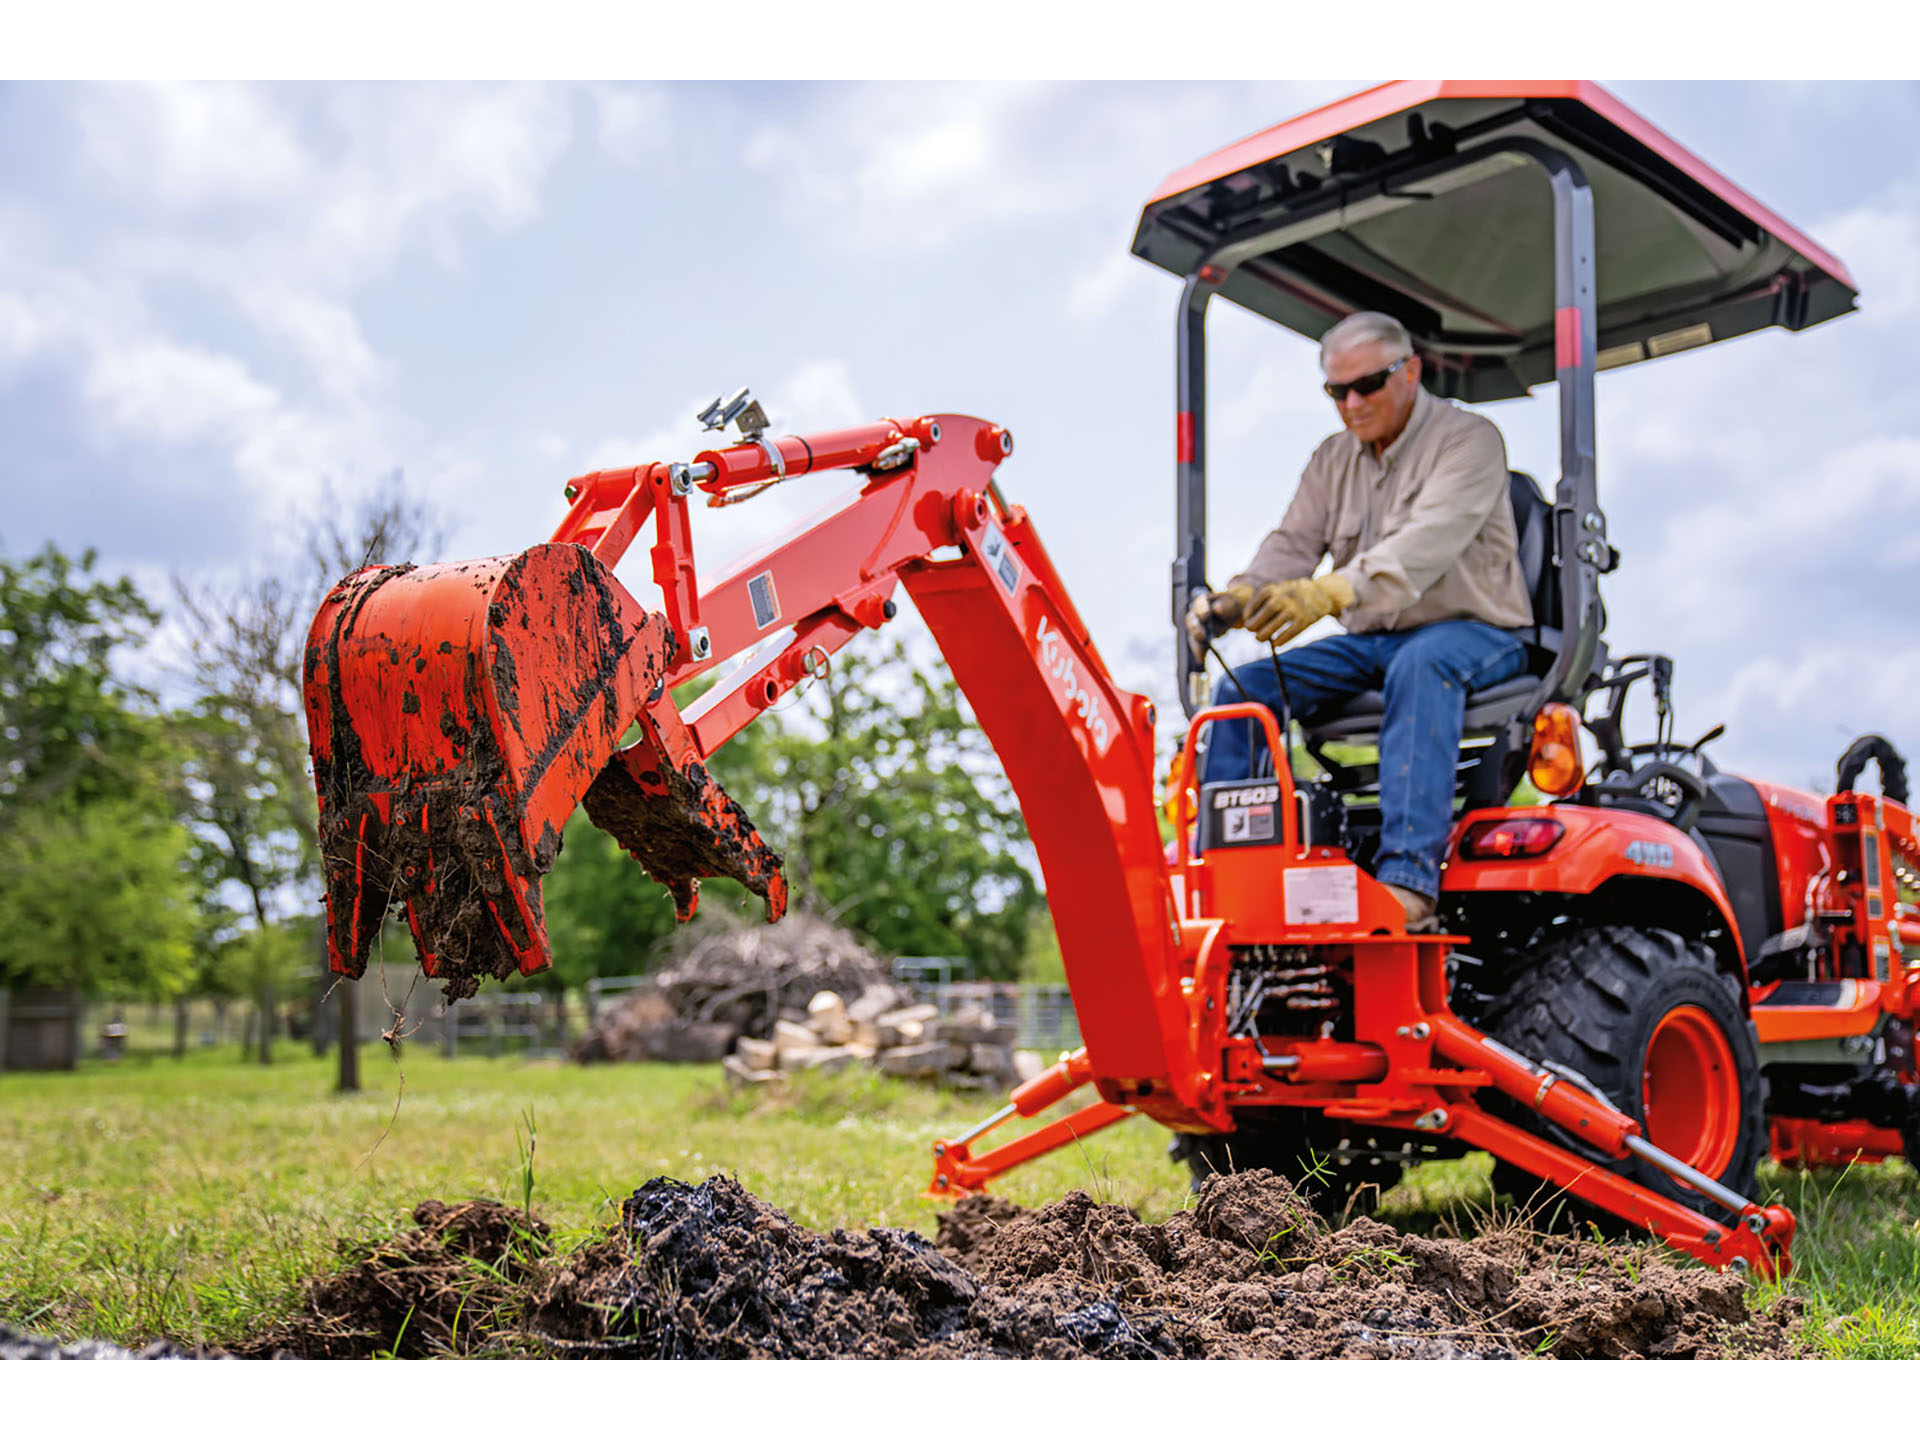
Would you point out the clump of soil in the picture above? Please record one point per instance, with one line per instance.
(450, 1286)
(711, 1271)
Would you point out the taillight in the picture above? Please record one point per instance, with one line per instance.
(1554, 765)
(1518, 838)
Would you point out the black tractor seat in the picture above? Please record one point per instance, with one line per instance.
(1357, 722)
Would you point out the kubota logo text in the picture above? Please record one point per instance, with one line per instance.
(1057, 661)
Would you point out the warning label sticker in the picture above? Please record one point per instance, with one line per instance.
(1245, 824)
(993, 550)
(1322, 895)
(765, 601)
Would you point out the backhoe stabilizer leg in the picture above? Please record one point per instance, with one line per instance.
(1760, 1237)
(958, 1171)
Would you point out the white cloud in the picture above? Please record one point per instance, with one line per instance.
(155, 390)
(633, 121)
(929, 167)
(188, 147)
(819, 395)
(24, 329)
(325, 335)
(1103, 285)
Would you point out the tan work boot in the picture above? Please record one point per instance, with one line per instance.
(1419, 908)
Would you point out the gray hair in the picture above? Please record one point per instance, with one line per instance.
(1363, 328)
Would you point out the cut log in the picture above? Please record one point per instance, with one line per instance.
(741, 1075)
(932, 1058)
(827, 1018)
(758, 1054)
(990, 1059)
(689, 1042)
(789, 1036)
(830, 1058)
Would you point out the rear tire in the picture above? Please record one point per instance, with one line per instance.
(1328, 1166)
(1645, 1015)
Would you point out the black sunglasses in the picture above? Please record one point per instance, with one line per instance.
(1365, 385)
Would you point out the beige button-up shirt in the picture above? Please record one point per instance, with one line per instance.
(1422, 533)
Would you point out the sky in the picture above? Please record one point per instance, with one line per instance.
(217, 300)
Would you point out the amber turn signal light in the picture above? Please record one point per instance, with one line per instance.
(1518, 838)
(1554, 766)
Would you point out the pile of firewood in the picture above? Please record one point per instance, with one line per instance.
(800, 995)
(738, 981)
(966, 1050)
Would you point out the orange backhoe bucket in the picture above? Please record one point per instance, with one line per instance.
(458, 713)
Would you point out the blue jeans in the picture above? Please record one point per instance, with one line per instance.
(1425, 675)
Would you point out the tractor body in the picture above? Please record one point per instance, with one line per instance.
(1699, 947)
(1631, 963)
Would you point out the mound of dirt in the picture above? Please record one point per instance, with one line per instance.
(452, 1285)
(711, 1271)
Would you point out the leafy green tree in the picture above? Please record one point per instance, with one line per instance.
(94, 888)
(248, 835)
(887, 802)
(254, 798)
(97, 898)
(71, 732)
(604, 917)
(894, 813)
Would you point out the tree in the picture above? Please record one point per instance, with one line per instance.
(247, 837)
(891, 811)
(248, 720)
(94, 889)
(98, 898)
(71, 732)
(894, 813)
(604, 917)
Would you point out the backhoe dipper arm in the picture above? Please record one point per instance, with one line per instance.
(460, 712)
(1077, 749)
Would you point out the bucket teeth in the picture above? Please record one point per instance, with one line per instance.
(681, 826)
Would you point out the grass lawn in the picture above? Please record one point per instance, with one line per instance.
(193, 1198)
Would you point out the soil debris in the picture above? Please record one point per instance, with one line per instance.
(1249, 1271)
(452, 1285)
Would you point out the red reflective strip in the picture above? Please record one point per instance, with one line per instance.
(1566, 337)
(1183, 438)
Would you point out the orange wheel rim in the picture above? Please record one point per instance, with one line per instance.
(1690, 1091)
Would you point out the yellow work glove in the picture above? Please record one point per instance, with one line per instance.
(1282, 610)
(1209, 614)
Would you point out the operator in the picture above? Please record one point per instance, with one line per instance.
(1410, 501)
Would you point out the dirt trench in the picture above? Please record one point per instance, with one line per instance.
(711, 1271)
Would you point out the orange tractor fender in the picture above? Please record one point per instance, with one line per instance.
(1594, 849)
